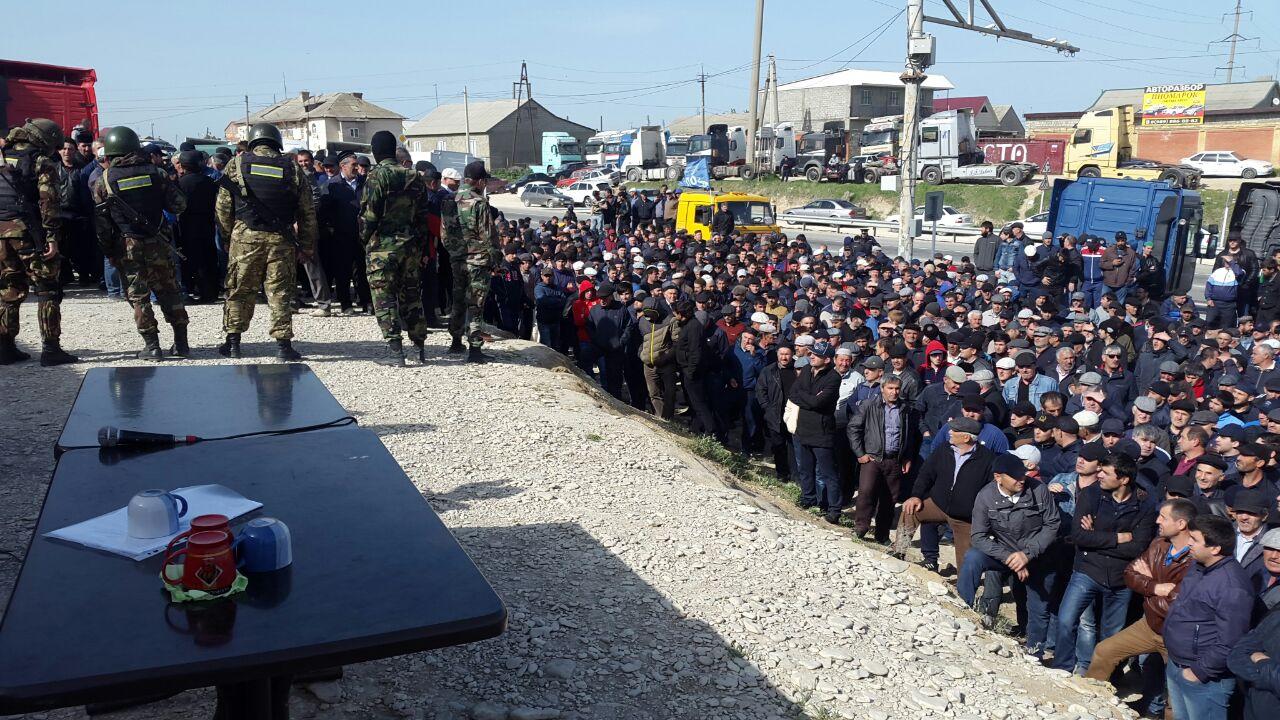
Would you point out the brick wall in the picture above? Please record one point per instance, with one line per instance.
(1253, 143)
(1166, 145)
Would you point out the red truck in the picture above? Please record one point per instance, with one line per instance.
(1045, 154)
(62, 94)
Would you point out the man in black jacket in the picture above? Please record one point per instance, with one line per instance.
(610, 328)
(946, 487)
(884, 435)
(339, 243)
(816, 392)
(1113, 523)
(196, 229)
(693, 363)
(772, 389)
(722, 222)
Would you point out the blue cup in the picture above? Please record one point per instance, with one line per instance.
(264, 545)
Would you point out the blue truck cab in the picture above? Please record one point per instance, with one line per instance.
(1100, 207)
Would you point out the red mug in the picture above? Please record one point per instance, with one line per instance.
(210, 564)
(201, 523)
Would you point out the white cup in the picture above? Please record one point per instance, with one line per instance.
(155, 513)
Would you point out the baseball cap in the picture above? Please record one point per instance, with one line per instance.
(450, 174)
(1028, 452)
(875, 362)
(824, 349)
(1024, 409)
(1112, 426)
(1252, 449)
(1160, 388)
(475, 171)
(1011, 465)
(1145, 404)
(973, 403)
(1045, 421)
(1093, 452)
(1235, 432)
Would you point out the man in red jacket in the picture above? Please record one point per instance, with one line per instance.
(1155, 576)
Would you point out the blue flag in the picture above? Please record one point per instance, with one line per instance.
(696, 175)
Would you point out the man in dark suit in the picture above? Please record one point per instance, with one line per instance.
(196, 229)
(946, 488)
(340, 251)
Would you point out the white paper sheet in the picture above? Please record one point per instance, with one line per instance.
(110, 532)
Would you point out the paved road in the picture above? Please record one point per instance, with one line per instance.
(828, 238)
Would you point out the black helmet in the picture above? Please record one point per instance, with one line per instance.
(266, 133)
(46, 132)
(120, 141)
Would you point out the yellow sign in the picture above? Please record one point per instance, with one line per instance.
(1173, 104)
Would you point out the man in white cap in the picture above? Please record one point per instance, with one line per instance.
(450, 179)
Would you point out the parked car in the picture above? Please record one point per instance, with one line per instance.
(1033, 226)
(950, 216)
(1226, 163)
(544, 195)
(582, 189)
(530, 178)
(824, 212)
(608, 175)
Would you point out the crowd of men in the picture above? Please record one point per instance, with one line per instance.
(1080, 433)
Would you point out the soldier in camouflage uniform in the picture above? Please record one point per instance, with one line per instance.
(29, 221)
(131, 196)
(263, 195)
(394, 234)
(469, 236)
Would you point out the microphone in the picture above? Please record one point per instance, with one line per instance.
(110, 436)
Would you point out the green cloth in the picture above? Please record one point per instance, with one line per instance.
(177, 593)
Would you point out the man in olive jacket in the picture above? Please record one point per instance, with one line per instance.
(884, 435)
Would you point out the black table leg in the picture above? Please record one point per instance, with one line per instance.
(261, 699)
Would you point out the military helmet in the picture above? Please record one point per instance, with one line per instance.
(119, 141)
(266, 133)
(45, 132)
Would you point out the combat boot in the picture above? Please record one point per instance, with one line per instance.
(180, 346)
(285, 351)
(420, 348)
(231, 347)
(475, 356)
(152, 349)
(394, 355)
(457, 346)
(51, 353)
(9, 352)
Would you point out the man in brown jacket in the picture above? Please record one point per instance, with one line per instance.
(1117, 265)
(1155, 575)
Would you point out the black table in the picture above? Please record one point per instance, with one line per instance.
(375, 574)
(208, 401)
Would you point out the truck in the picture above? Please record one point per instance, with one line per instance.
(559, 149)
(644, 157)
(606, 147)
(64, 95)
(1102, 146)
(949, 151)
(815, 152)
(1256, 216)
(1170, 216)
(882, 134)
(775, 143)
(751, 213)
(1044, 154)
(677, 149)
(725, 149)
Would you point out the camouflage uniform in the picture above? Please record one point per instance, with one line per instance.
(258, 257)
(145, 261)
(469, 236)
(394, 235)
(22, 265)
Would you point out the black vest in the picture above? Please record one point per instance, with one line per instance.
(271, 182)
(139, 187)
(18, 192)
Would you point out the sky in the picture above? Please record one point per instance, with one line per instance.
(625, 64)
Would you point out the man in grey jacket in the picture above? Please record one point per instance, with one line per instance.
(884, 436)
(1015, 521)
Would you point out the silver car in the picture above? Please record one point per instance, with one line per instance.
(825, 212)
(544, 195)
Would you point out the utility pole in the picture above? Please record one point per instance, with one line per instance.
(521, 90)
(466, 116)
(754, 99)
(1233, 38)
(246, 117)
(920, 55)
(435, 88)
(702, 79)
(773, 87)
(284, 83)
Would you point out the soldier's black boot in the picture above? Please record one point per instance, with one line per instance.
(457, 346)
(475, 356)
(180, 346)
(231, 347)
(420, 349)
(394, 355)
(285, 351)
(51, 353)
(152, 349)
(9, 352)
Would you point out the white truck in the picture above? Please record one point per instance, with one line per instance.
(949, 151)
(775, 143)
(645, 158)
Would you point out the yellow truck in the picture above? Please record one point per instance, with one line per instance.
(751, 213)
(1102, 146)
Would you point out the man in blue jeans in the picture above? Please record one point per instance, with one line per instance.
(1113, 524)
(1210, 614)
(1015, 522)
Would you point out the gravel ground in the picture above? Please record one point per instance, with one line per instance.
(639, 585)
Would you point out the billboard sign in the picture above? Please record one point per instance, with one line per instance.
(1173, 104)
